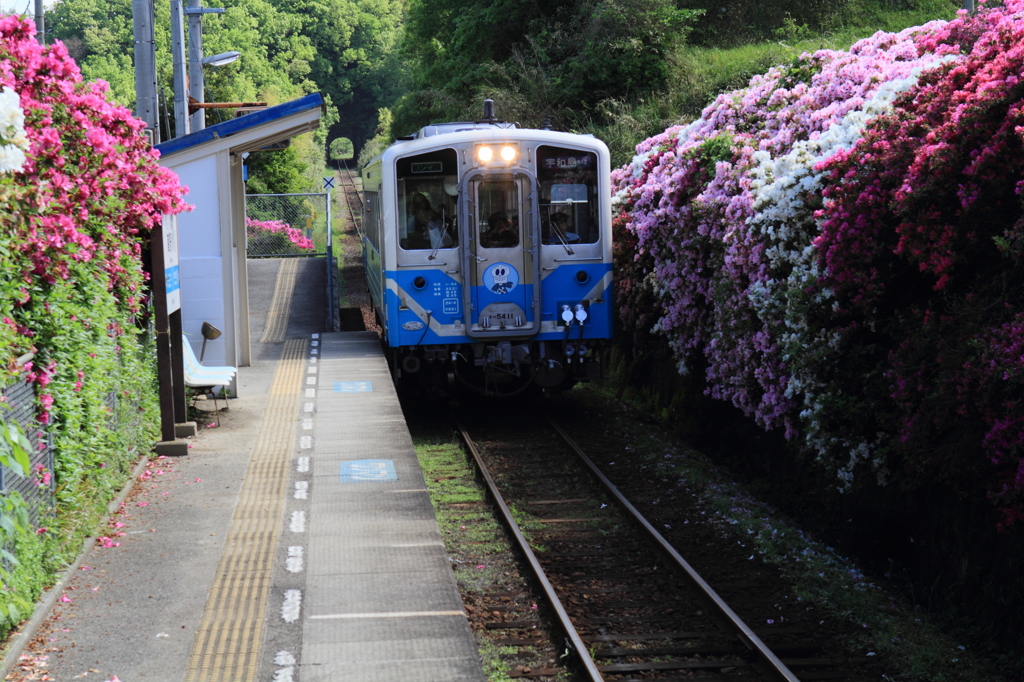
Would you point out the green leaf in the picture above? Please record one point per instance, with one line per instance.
(7, 556)
(17, 446)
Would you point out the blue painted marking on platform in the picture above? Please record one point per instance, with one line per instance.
(359, 470)
(353, 386)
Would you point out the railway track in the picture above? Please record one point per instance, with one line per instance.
(353, 199)
(630, 607)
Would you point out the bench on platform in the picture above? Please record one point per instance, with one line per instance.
(201, 378)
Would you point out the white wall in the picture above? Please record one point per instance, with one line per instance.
(201, 261)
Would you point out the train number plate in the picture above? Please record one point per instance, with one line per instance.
(498, 315)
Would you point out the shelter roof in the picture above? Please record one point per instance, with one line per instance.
(254, 130)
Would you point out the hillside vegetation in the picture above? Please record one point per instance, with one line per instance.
(622, 69)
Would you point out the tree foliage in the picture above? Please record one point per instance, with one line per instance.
(538, 60)
(342, 48)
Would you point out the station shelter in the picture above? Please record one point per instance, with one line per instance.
(212, 237)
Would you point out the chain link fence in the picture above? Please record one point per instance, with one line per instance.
(283, 225)
(38, 487)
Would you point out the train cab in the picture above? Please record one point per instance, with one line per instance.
(488, 255)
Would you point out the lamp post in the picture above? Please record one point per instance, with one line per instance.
(188, 71)
(198, 84)
(181, 123)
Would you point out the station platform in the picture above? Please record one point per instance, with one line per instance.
(295, 543)
(380, 600)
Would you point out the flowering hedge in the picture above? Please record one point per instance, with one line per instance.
(273, 236)
(76, 210)
(839, 244)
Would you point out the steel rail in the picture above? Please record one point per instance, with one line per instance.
(573, 637)
(351, 184)
(768, 658)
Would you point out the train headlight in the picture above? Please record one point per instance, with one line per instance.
(508, 153)
(485, 154)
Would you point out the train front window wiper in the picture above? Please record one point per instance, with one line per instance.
(561, 239)
(437, 238)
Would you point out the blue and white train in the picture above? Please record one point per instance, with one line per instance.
(488, 254)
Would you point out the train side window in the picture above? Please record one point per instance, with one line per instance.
(373, 218)
(428, 201)
(568, 195)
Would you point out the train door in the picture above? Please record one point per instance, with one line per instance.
(502, 236)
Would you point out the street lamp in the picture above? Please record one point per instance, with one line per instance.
(188, 70)
(220, 59)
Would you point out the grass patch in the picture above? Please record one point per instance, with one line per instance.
(482, 557)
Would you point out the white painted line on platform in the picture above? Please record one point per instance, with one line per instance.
(306, 442)
(292, 606)
(314, 336)
(393, 614)
(307, 424)
(314, 343)
(302, 465)
(414, 490)
(308, 407)
(287, 674)
(301, 490)
(313, 360)
(314, 351)
(298, 524)
(419, 544)
(311, 381)
(294, 561)
(310, 392)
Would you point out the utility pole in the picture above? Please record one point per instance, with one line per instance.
(40, 23)
(146, 103)
(181, 122)
(197, 121)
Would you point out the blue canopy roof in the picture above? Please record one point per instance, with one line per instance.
(240, 124)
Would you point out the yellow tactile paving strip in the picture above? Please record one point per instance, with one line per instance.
(227, 645)
(277, 318)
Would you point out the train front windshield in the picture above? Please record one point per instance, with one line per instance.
(427, 201)
(569, 207)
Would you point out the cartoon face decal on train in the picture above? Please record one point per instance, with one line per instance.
(501, 278)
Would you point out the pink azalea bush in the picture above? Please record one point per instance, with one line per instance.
(836, 245)
(260, 228)
(77, 206)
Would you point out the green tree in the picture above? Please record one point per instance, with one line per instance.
(356, 60)
(275, 67)
(556, 60)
